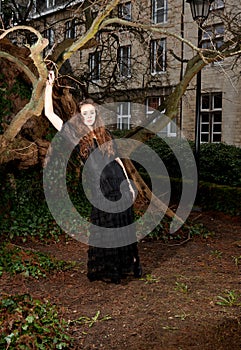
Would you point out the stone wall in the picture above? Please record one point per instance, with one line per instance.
(142, 84)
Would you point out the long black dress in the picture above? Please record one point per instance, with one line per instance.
(113, 250)
(115, 262)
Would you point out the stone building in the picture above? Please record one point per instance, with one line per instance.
(220, 88)
(137, 67)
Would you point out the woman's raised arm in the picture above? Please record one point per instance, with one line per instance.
(48, 103)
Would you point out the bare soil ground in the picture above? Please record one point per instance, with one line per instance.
(173, 307)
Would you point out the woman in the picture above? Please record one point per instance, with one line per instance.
(109, 258)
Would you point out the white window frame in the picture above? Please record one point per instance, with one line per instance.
(124, 61)
(50, 35)
(70, 29)
(155, 45)
(159, 9)
(95, 65)
(47, 7)
(149, 109)
(211, 111)
(216, 5)
(122, 115)
(212, 35)
(50, 3)
(168, 130)
(35, 6)
(124, 11)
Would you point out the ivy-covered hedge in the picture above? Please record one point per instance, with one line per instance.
(24, 211)
(220, 164)
(28, 323)
(220, 172)
(219, 197)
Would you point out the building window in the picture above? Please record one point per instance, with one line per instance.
(158, 56)
(94, 65)
(124, 115)
(217, 4)
(152, 104)
(213, 36)
(124, 11)
(211, 117)
(124, 60)
(70, 29)
(50, 3)
(159, 11)
(38, 6)
(49, 34)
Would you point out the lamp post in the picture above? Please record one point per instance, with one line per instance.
(200, 11)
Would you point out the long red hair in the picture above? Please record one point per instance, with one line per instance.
(101, 134)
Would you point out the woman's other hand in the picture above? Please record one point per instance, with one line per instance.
(51, 78)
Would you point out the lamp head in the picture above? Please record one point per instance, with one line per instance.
(200, 9)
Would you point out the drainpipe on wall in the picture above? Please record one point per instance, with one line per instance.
(182, 54)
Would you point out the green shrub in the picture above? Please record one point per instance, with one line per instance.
(15, 260)
(220, 164)
(25, 212)
(31, 324)
(220, 172)
(172, 151)
(219, 197)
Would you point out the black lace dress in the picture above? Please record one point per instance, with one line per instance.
(113, 250)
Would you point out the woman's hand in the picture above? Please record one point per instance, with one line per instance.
(51, 78)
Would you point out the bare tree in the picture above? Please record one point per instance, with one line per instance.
(101, 33)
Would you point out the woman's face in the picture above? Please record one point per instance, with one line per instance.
(88, 113)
